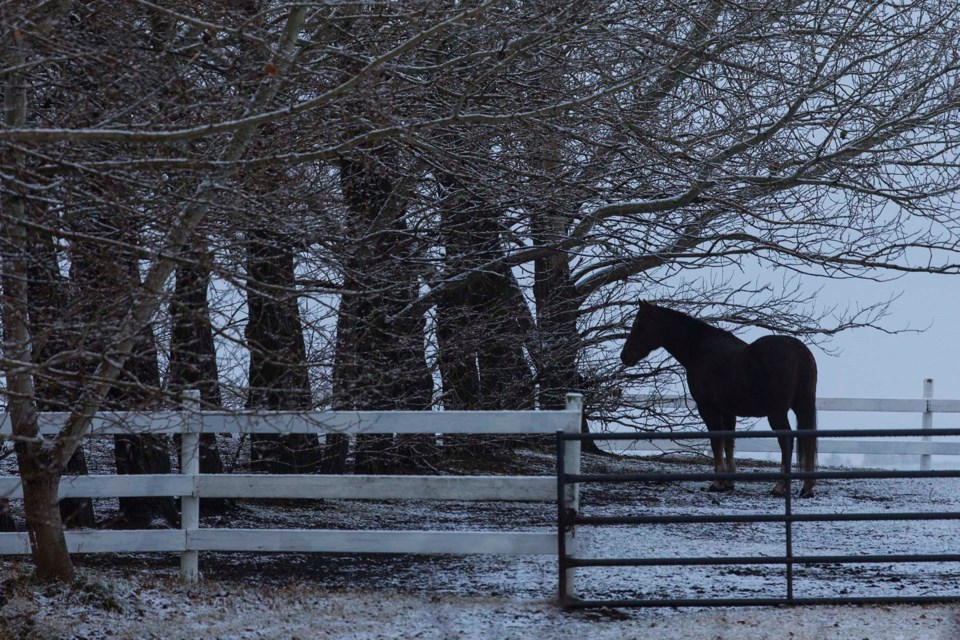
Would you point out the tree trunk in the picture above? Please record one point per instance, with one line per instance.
(554, 291)
(77, 512)
(484, 324)
(104, 284)
(380, 361)
(481, 327)
(193, 356)
(45, 289)
(457, 350)
(278, 367)
(48, 545)
(142, 454)
(40, 478)
(558, 307)
(506, 381)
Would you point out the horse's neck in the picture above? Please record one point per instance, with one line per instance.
(689, 340)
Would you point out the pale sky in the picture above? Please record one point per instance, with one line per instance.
(876, 364)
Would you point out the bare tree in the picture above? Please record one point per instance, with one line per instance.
(484, 190)
(193, 357)
(380, 361)
(41, 465)
(278, 373)
(47, 293)
(813, 139)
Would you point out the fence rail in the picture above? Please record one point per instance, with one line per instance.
(190, 485)
(360, 487)
(925, 408)
(299, 540)
(318, 422)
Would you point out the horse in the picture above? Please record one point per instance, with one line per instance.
(730, 378)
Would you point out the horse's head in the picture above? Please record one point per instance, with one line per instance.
(644, 335)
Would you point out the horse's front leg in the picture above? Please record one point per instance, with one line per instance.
(717, 444)
(714, 422)
(780, 422)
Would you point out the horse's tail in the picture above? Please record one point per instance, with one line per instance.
(806, 412)
(807, 447)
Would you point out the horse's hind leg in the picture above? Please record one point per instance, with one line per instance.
(780, 422)
(807, 447)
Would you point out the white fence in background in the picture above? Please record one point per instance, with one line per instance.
(190, 485)
(924, 409)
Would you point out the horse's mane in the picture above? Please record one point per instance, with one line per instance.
(696, 324)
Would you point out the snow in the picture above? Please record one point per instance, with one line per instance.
(390, 596)
(150, 606)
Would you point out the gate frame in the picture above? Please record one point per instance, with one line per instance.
(569, 518)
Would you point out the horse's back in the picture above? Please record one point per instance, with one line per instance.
(784, 347)
(781, 368)
(768, 376)
(785, 351)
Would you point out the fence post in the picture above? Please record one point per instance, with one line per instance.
(571, 456)
(190, 465)
(927, 421)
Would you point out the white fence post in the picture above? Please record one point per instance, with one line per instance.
(571, 458)
(190, 465)
(927, 421)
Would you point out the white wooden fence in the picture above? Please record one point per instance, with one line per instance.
(924, 409)
(190, 485)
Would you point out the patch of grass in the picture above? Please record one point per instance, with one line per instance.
(19, 579)
(95, 593)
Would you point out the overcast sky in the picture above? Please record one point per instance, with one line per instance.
(875, 364)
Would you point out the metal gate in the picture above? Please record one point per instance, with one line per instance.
(568, 519)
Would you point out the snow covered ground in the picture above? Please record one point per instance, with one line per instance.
(323, 596)
(151, 606)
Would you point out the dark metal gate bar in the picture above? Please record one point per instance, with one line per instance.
(567, 520)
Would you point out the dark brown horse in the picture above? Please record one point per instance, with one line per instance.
(729, 378)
